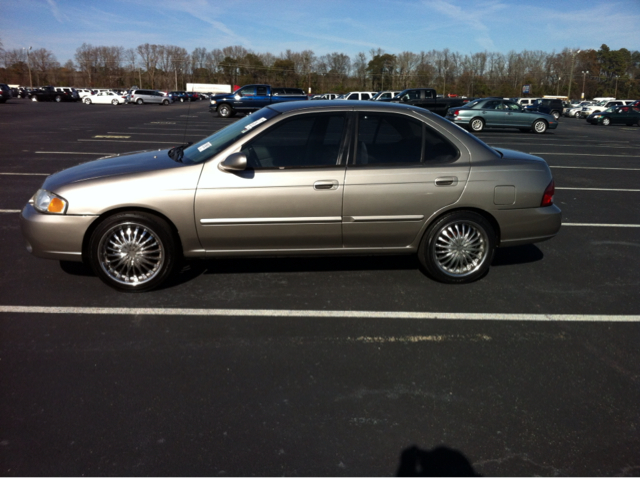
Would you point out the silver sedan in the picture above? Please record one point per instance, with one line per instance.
(298, 178)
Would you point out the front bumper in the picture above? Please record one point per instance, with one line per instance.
(54, 236)
(213, 108)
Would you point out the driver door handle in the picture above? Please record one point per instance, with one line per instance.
(326, 184)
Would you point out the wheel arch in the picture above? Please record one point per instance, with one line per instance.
(485, 214)
(94, 225)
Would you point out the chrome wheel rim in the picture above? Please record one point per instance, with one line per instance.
(540, 126)
(476, 125)
(606, 121)
(131, 254)
(460, 248)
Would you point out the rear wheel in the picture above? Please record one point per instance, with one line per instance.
(165, 102)
(539, 126)
(577, 115)
(556, 115)
(58, 98)
(133, 251)
(87, 101)
(114, 102)
(458, 248)
(477, 124)
(139, 101)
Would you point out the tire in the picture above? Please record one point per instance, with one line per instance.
(181, 100)
(114, 102)
(165, 102)
(458, 248)
(34, 98)
(539, 126)
(58, 98)
(87, 101)
(476, 125)
(606, 121)
(133, 251)
(577, 115)
(139, 101)
(556, 115)
(225, 111)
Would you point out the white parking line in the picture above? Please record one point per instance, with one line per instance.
(581, 154)
(589, 167)
(120, 141)
(355, 314)
(10, 210)
(602, 189)
(158, 134)
(70, 152)
(24, 174)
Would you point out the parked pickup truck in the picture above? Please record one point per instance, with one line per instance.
(427, 98)
(250, 98)
(49, 93)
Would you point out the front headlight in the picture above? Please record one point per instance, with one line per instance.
(213, 102)
(45, 201)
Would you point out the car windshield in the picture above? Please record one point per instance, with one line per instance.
(212, 145)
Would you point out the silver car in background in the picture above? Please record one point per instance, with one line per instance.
(298, 178)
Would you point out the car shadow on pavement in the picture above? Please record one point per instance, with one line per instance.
(508, 256)
(440, 461)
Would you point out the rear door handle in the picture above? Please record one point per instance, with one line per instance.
(446, 181)
(326, 184)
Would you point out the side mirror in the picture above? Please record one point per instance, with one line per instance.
(234, 162)
(405, 98)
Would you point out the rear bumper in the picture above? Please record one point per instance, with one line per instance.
(526, 226)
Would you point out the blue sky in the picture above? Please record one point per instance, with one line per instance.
(324, 26)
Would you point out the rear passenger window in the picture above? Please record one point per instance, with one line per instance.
(392, 139)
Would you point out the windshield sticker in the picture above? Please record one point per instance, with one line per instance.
(254, 124)
(206, 145)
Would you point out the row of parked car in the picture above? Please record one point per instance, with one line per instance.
(99, 95)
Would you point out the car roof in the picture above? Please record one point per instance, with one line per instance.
(346, 105)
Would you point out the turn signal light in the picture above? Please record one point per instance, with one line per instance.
(547, 197)
(56, 205)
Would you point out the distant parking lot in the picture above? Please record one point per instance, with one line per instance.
(322, 366)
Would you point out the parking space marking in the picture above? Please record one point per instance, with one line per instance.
(602, 189)
(10, 210)
(590, 167)
(111, 136)
(25, 174)
(70, 152)
(120, 141)
(152, 134)
(349, 314)
(584, 154)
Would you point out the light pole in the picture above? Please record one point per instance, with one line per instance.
(558, 86)
(615, 95)
(584, 77)
(29, 66)
(573, 59)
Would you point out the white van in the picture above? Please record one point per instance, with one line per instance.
(524, 102)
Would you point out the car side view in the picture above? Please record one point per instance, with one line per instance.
(298, 178)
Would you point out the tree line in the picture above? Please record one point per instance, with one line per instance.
(602, 72)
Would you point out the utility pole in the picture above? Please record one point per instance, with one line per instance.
(29, 66)
(584, 77)
(573, 58)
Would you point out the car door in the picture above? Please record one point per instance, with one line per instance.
(516, 116)
(402, 171)
(290, 198)
(493, 114)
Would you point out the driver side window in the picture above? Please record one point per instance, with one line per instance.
(311, 140)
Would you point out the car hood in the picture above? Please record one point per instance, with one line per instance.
(121, 164)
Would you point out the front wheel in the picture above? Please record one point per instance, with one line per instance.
(87, 101)
(606, 121)
(458, 248)
(133, 252)
(577, 115)
(539, 126)
(165, 102)
(556, 115)
(225, 111)
(34, 98)
(114, 102)
(477, 125)
(58, 99)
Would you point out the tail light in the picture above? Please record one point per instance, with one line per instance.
(455, 112)
(547, 197)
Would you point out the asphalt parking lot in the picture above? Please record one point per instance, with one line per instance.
(332, 366)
